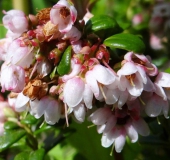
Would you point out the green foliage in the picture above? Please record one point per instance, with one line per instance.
(125, 41)
(102, 25)
(65, 63)
(10, 137)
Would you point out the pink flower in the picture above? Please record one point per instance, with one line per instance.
(23, 55)
(76, 68)
(15, 21)
(142, 62)
(73, 35)
(76, 91)
(64, 15)
(73, 91)
(117, 124)
(130, 78)
(21, 103)
(47, 106)
(12, 78)
(99, 75)
(137, 19)
(44, 68)
(155, 42)
(157, 102)
(4, 44)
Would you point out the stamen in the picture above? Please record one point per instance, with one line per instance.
(113, 146)
(51, 82)
(64, 12)
(34, 69)
(142, 101)
(42, 124)
(101, 89)
(158, 121)
(130, 78)
(91, 126)
(65, 106)
(151, 69)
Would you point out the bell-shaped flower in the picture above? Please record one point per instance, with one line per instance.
(12, 78)
(142, 62)
(73, 91)
(49, 107)
(23, 55)
(64, 15)
(15, 21)
(157, 102)
(44, 68)
(75, 69)
(99, 75)
(131, 79)
(73, 35)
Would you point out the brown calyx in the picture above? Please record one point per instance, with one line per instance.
(43, 15)
(35, 89)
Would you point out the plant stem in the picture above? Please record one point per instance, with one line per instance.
(21, 5)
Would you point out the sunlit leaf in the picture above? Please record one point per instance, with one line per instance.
(10, 137)
(126, 41)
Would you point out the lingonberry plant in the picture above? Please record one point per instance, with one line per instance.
(59, 67)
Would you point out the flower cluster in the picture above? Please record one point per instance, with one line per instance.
(56, 71)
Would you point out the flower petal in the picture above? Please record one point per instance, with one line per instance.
(141, 127)
(73, 91)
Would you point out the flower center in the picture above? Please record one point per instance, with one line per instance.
(131, 78)
(64, 12)
(138, 61)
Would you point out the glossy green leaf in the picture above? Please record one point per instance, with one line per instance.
(29, 119)
(37, 155)
(10, 125)
(65, 63)
(102, 25)
(126, 41)
(22, 156)
(34, 155)
(10, 137)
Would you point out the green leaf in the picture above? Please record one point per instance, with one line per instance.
(102, 25)
(125, 41)
(29, 119)
(22, 156)
(10, 137)
(88, 142)
(10, 125)
(65, 63)
(37, 155)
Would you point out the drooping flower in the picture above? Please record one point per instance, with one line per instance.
(142, 62)
(12, 78)
(23, 55)
(157, 102)
(99, 74)
(64, 15)
(15, 21)
(117, 124)
(47, 106)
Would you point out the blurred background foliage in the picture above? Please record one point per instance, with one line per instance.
(79, 142)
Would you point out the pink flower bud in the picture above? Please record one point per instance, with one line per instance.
(15, 21)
